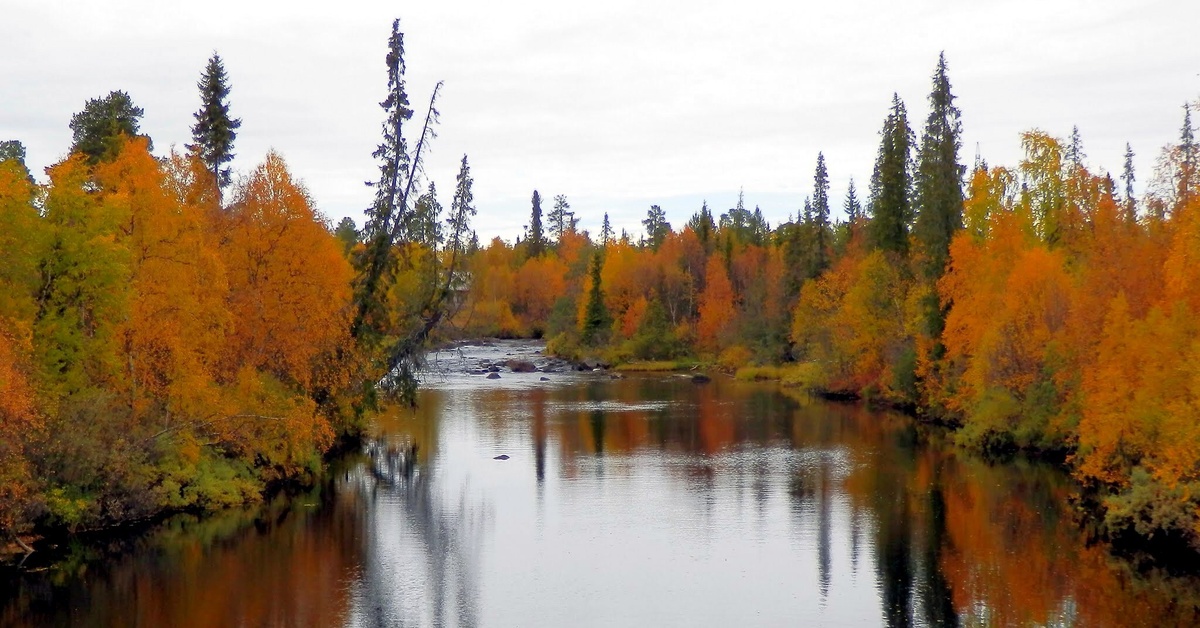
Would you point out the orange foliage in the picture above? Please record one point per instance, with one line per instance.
(717, 307)
(289, 285)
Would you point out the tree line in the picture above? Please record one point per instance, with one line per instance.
(1039, 306)
(172, 339)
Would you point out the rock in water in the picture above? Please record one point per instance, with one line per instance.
(521, 366)
(493, 376)
(701, 379)
(501, 457)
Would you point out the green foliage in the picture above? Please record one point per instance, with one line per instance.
(1150, 508)
(703, 226)
(84, 284)
(657, 227)
(655, 339)
(535, 239)
(597, 321)
(938, 184)
(891, 183)
(347, 233)
(214, 131)
(97, 130)
(561, 219)
(562, 317)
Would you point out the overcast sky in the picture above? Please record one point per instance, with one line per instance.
(618, 105)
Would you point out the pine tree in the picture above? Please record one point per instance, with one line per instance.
(214, 131)
(939, 193)
(535, 239)
(657, 227)
(606, 232)
(596, 319)
(1127, 177)
(560, 218)
(98, 129)
(891, 183)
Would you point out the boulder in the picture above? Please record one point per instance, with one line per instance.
(493, 376)
(521, 366)
(701, 379)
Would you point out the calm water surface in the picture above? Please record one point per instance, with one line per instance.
(645, 501)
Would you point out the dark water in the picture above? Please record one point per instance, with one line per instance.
(647, 501)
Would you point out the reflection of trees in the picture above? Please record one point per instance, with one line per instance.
(421, 557)
(281, 564)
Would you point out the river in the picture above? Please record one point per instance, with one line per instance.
(649, 500)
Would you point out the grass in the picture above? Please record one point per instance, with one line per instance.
(808, 375)
(660, 366)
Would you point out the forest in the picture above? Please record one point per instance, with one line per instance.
(173, 339)
(1037, 307)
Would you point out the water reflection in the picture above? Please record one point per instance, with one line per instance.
(642, 501)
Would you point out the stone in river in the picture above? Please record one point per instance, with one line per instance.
(493, 376)
(501, 457)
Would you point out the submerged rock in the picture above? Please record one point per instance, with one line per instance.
(544, 379)
(493, 376)
(701, 378)
(501, 457)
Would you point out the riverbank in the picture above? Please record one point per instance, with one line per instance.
(537, 503)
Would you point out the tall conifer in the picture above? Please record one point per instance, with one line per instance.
(214, 131)
(891, 183)
(938, 186)
(536, 239)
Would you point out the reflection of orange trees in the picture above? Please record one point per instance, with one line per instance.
(201, 572)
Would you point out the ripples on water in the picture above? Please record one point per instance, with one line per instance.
(648, 501)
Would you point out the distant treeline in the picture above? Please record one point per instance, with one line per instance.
(1039, 306)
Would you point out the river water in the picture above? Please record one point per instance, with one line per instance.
(644, 501)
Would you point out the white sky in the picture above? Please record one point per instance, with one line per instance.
(618, 105)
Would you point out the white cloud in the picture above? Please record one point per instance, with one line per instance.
(618, 105)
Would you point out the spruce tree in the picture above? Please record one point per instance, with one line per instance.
(536, 241)
(852, 206)
(1189, 159)
(606, 232)
(820, 218)
(1127, 177)
(384, 213)
(214, 131)
(891, 183)
(939, 193)
(596, 320)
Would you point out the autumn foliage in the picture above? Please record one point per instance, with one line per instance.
(157, 351)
